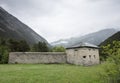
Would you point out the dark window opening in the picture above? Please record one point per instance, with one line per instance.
(84, 56)
(89, 49)
(89, 56)
(94, 56)
(76, 50)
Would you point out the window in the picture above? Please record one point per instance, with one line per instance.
(76, 50)
(84, 56)
(89, 49)
(89, 56)
(94, 56)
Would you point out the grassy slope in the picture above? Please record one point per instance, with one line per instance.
(49, 73)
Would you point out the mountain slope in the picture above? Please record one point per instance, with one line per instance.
(11, 27)
(93, 38)
(114, 37)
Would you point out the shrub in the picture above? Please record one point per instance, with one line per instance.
(4, 52)
(112, 64)
(58, 49)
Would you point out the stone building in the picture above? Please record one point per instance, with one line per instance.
(83, 54)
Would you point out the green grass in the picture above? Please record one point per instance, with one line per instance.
(48, 73)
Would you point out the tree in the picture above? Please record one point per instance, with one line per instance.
(4, 52)
(23, 46)
(18, 46)
(58, 49)
(40, 47)
(11, 45)
(2, 41)
(112, 65)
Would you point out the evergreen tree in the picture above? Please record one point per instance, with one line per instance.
(40, 47)
(4, 51)
(2, 41)
(18, 46)
(23, 46)
(11, 45)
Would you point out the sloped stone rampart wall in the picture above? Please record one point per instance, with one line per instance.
(37, 57)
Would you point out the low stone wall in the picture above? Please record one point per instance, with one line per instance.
(37, 57)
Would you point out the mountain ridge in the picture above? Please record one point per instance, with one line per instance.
(114, 37)
(11, 27)
(93, 38)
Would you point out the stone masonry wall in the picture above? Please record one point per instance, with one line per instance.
(37, 57)
(83, 56)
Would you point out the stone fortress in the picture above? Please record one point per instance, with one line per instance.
(82, 54)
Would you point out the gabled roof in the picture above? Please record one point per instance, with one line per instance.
(81, 44)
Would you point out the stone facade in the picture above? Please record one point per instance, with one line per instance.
(83, 56)
(37, 57)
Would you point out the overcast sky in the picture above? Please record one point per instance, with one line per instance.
(59, 19)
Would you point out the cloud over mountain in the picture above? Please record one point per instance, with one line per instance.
(56, 19)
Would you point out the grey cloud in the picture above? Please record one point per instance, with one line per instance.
(55, 19)
(37, 7)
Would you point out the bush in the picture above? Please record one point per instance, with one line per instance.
(112, 64)
(4, 53)
(58, 49)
